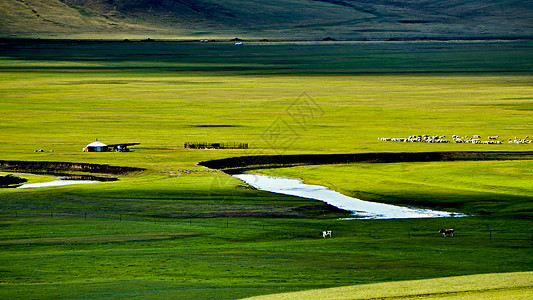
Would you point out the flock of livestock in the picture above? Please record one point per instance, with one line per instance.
(475, 139)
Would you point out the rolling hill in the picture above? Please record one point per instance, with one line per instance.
(272, 19)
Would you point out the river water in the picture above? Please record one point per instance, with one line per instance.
(295, 187)
(361, 209)
(55, 183)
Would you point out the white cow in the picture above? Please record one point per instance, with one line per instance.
(326, 233)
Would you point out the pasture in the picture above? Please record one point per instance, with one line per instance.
(71, 257)
(181, 230)
(485, 286)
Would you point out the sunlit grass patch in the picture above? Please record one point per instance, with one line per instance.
(484, 286)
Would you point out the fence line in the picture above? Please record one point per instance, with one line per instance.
(209, 145)
(245, 223)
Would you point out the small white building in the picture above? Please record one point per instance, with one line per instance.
(96, 147)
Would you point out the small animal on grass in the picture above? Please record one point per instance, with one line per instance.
(446, 231)
(326, 233)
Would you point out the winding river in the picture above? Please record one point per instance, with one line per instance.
(361, 209)
(295, 187)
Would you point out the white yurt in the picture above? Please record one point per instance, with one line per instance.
(96, 147)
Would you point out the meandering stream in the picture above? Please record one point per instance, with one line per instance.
(361, 209)
(295, 187)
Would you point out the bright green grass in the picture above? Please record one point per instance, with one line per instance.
(161, 114)
(189, 232)
(485, 286)
(228, 258)
(63, 96)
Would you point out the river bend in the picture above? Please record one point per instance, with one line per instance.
(360, 209)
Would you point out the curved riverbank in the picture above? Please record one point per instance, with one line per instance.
(360, 209)
(236, 165)
(54, 183)
(50, 167)
(59, 179)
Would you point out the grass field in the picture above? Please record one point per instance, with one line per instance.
(184, 231)
(86, 258)
(486, 286)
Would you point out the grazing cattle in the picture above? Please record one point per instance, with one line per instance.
(326, 233)
(446, 231)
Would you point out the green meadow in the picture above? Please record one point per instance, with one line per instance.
(485, 286)
(180, 230)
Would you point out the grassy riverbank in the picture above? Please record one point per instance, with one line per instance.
(473, 187)
(181, 230)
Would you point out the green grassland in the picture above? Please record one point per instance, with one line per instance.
(73, 257)
(486, 286)
(184, 231)
(62, 96)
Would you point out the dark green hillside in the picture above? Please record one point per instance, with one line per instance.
(283, 19)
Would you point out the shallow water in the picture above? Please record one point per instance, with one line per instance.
(55, 183)
(361, 209)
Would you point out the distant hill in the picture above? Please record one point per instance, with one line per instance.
(271, 19)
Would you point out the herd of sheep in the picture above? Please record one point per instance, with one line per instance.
(475, 139)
